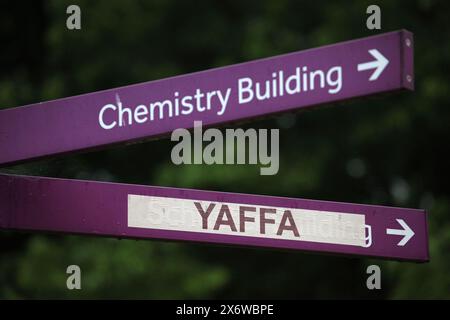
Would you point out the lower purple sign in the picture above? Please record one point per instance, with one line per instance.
(136, 211)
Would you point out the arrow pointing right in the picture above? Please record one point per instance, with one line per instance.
(406, 232)
(379, 64)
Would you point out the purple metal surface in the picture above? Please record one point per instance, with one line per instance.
(72, 124)
(99, 208)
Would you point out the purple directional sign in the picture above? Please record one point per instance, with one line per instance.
(135, 211)
(378, 64)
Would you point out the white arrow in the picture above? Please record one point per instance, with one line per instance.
(406, 232)
(379, 64)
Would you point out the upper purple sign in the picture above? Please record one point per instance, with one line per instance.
(133, 211)
(283, 83)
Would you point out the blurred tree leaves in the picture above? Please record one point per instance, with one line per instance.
(111, 269)
(387, 150)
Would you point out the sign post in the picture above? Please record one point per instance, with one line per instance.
(286, 83)
(135, 211)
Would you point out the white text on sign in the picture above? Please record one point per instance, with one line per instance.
(248, 90)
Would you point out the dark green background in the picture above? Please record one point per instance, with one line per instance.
(387, 150)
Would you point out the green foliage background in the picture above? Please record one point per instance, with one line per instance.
(390, 150)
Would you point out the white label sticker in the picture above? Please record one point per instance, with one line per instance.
(248, 220)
